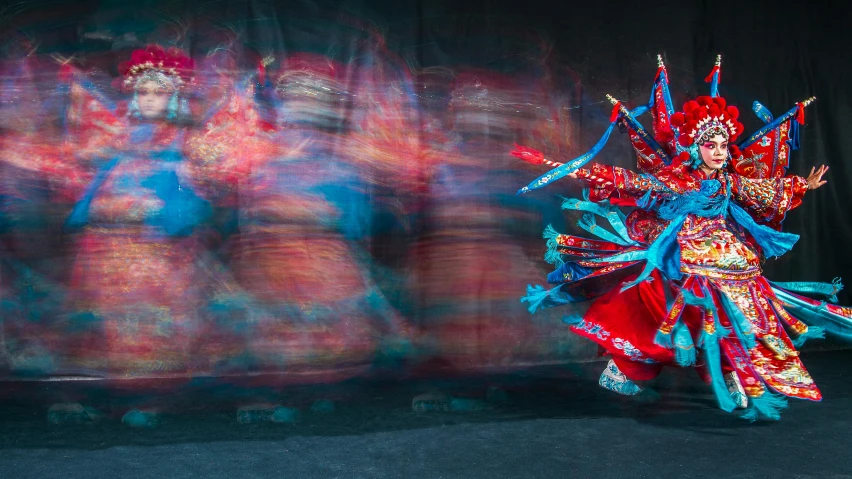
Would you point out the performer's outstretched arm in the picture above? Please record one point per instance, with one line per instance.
(604, 181)
(771, 198)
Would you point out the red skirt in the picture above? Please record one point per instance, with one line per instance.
(626, 324)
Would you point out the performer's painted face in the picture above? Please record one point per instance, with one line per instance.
(714, 152)
(153, 99)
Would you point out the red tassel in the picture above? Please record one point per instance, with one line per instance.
(800, 114)
(530, 155)
(616, 109)
(712, 72)
(261, 73)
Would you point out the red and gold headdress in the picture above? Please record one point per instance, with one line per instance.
(172, 64)
(706, 117)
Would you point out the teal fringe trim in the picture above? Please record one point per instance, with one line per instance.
(813, 332)
(663, 340)
(721, 332)
(635, 255)
(663, 254)
(552, 256)
(648, 201)
(685, 354)
(538, 297)
(826, 290)
(767, 405)
(714, 367)
(644, 275)
(588, 223)
(616, 218)
(816, 315)
(681, 341)
(535, 296)
(572, 319)
(773, 243)
(705, 302)
(739, 322)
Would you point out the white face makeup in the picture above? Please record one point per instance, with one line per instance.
(714, 152)
(153, 96)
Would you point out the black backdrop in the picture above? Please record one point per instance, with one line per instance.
(777, 52)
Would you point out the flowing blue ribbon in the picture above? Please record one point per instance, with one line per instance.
(773, 243)
(762, 112)
(816, 315)
(573, 165)
(714, 85)
(826, 290)
(612, 214)
(667, 96)
(570, 167)
(773, 125)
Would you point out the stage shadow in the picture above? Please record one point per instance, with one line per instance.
(206, 411)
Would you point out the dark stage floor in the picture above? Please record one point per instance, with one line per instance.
(552, 422)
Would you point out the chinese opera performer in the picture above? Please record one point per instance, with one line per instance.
(678, 280)
(299, 196)
(136, 220)
(467, 257)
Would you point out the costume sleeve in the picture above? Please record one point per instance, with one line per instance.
(768, 200)
(224, 151)
(603, 181)
(213, 166)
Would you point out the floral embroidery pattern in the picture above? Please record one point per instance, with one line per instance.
(623, 345)
(593, 329)
(630, 351)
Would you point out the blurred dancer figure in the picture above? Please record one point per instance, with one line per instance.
(468, 256)
(302, 210)
(393, 145)
(134, 269)
(30, 248)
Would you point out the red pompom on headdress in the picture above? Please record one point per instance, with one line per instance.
(706, 116)
(172, 63)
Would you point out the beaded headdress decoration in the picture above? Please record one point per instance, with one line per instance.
(171, 67)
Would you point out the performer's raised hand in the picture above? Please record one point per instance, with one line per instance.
(815, 178)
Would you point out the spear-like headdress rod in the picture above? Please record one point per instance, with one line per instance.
(616, 103)
(713, 77)
(809, 101)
